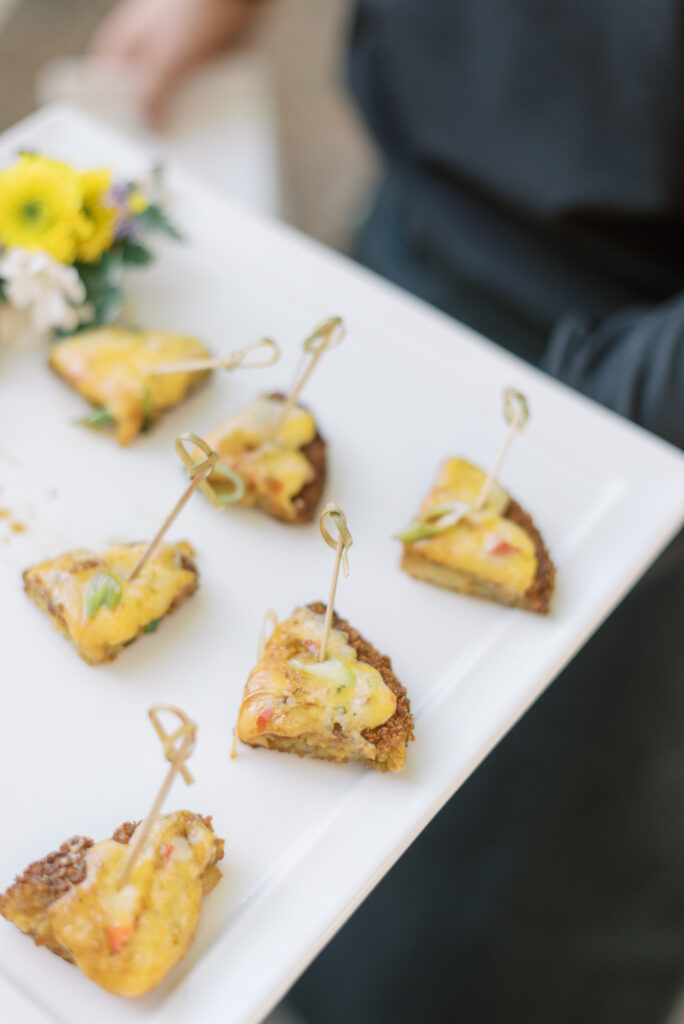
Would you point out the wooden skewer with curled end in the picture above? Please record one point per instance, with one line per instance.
(327, 335)
(270, 619)
(234, 361)
(341, 546)
(176, 754)
(198, 472)
(516, 414)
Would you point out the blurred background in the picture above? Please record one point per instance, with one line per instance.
(251, 125)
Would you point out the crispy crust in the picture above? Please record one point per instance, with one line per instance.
(538, 595)
(46, 880)
(535, 599)
(397, 731)
(41, 597)
(306, 502)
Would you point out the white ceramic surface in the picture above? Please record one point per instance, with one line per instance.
(306, 840)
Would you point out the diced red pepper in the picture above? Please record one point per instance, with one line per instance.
(119, 935)
(503, 548)
(264, 718)
(166, 849)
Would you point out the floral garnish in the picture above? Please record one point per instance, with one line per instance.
(40, 208)
(436, 520)
(102, 589)
(99, 216)
(66, 236)
(51, 293)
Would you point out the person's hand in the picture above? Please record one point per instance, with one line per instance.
(165, 39)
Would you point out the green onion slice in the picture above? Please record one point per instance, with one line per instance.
(99, 417)
(102, 589)
(436, 520)
(332, 670)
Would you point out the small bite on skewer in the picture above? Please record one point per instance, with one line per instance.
(275, 446)
(350, 706)
(125, 938)
(472, 537)
(114, 369)
(284, 473)
(320, 689)
(90, 598)
(125, 910)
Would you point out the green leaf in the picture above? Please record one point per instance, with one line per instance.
(154, 219)
(152, 626)
(101, 589)
(135, 254)
(100, 417)
(102, 285)
(436, 520)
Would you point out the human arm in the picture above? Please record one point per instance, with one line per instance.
(632, 361)
(164, 40)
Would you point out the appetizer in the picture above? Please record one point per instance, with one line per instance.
(282, 464)
(496, 552)
(114, 370)
(125, 938)
(350, 706)
(90, 598)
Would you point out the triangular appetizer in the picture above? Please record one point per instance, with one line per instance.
(126, 939)
(88, 596)
(112, 368)
(496, 553)
(350, 706)
(283, 472)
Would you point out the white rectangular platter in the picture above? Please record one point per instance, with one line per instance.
(306, 840)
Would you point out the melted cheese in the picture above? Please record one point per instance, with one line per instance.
(148, 598)
(273, 468)
(128, 939)
(291, 694)
(471, 545)
(112, 368)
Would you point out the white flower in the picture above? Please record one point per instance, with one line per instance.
(151, 187)
(51, 293)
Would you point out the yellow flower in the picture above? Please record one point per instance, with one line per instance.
(97, 223)
(40, 207)
(137, 203)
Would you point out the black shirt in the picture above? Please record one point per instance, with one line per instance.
(537, 147)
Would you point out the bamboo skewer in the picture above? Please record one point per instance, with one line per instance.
(199, 472)
(516, 415)
(326, 336)
(177, 757)
(231, 362)
(341, 546)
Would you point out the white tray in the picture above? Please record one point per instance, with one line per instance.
(306, 840)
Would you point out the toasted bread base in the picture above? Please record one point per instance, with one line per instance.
(26, 902)
(41, 597)
(535, 599)
(389, 739)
